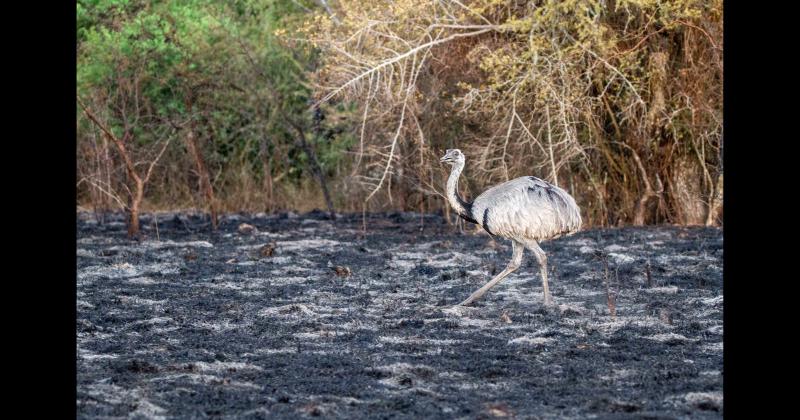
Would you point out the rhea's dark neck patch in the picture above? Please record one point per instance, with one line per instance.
(467, 206)
(486, 222)
(468, 218)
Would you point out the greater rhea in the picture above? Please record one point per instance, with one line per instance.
(526, 210)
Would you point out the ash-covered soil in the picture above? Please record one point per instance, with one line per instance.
(192, 324)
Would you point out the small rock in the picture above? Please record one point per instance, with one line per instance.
(267, 250)
(444, 245)
(499, 410)
(571, 310)
(342, 271)
(246, 229)
(190, 256)
(665, 315)
(313, 409)
(504, 316)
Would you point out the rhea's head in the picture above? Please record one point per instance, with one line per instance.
(453, 156)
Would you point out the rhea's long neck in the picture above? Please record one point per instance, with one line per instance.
(459, 205)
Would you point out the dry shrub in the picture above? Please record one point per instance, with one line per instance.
(618, 102)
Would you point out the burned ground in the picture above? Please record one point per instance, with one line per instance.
(300, 316)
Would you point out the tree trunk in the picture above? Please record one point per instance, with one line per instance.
(133, 222)
(316, 169)
(641, 205)
(135, 204)
(402, 192)
(205, 179)
(715, 204)
(268, 181)
(108, 164)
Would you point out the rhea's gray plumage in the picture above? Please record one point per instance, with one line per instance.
(525, 210)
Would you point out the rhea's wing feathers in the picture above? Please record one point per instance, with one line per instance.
(527, 207)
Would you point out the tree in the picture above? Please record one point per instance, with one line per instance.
(215, 74)
(136, 179)
(130, 65)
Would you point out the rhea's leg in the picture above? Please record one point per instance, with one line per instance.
(541, 257)
(516, 260)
